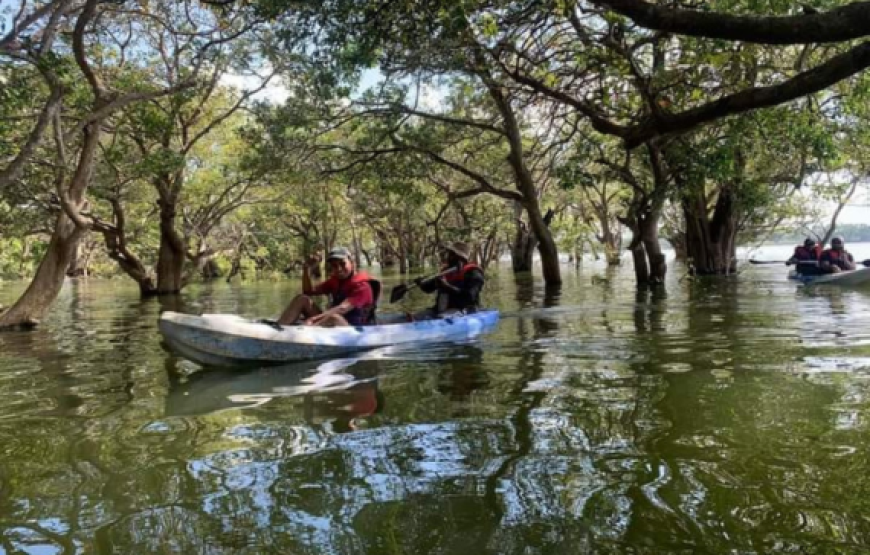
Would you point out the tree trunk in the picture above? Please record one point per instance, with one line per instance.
(678, 242)
(210, 270)
(638, 252)
(25, 254)
(612, 246)
(116, 247)
(646, 252)
(388, 259)
(649, 235)
(523, 248)
(610, 239)
(546, 244)
(538, 224)
(171, 256)
(78, 266)
(46, 285)
(357, 244)
(711, 243)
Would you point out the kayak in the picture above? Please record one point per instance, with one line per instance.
(849, 279)
(231, 340)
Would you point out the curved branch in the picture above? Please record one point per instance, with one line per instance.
(834, 70)
(13, 171)
(840, 24)
(482, 181)
(483, 126)
(79, 48)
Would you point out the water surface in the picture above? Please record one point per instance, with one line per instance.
(713, 416)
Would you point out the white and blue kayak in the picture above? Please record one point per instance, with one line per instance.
(231, 340)
(847, 279)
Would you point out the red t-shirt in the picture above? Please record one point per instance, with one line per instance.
(359, 294)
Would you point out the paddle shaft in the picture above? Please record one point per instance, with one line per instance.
(401, 290)
(442, 274)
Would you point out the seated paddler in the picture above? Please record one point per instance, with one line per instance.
(457, 291)
(836, 259)
(806, 258)
(353, 295)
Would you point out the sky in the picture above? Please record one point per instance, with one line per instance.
(855, 215)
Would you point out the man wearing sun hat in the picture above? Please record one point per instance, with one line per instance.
(458, 291)
(353, 295)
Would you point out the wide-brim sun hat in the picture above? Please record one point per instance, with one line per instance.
(458, 248)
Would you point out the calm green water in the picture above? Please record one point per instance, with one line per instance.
(718, 417)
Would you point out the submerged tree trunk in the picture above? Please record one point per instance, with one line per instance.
(69, 228)
(650, 266)
(29, 309)
(523, 248)
(678, 243)
(711, 243)
(612, 246)
(539, 225)
(171, 256)
(638, 257)
(78, 266)
(546, 244)
(649, 235)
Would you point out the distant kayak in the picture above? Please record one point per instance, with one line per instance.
(231, 340)
(848, 279)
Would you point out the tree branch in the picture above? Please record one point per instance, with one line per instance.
(834, 70)
(837, 25)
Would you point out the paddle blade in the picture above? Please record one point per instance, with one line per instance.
(398, 292)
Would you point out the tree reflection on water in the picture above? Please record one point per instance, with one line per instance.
(712, 418)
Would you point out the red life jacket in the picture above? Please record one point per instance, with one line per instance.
(803, 253)
(837, 258)
(458, 276)
(458, 301)
(357, 316)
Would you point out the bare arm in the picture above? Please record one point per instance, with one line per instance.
(307, 288)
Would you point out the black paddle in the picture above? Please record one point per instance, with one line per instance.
(402, 289)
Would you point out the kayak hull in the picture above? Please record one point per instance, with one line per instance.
(230, 340)
(847, 279)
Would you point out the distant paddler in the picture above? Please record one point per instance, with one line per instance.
(806, 258)
(836, 259)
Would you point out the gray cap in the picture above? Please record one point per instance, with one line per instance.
(338, 253)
